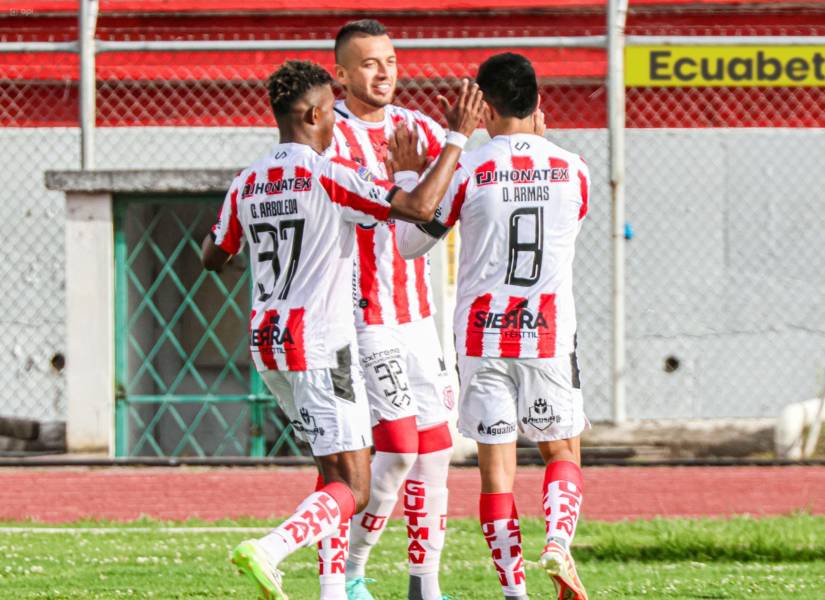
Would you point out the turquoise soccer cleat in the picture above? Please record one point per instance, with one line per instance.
(357, 589)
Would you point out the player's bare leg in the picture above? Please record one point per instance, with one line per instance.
(346, 477)
(499, 517)
(562, 498)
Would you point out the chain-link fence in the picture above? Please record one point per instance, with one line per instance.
(38, 131)
(725, 284)
(725, 305)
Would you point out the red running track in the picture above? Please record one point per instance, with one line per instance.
(611, 493)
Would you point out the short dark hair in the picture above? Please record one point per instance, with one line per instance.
(368, 27)
(288, 84)
(509, 84)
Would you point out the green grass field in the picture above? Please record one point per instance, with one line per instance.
(673, 558)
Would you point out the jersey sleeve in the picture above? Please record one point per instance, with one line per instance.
(227, 232)
(416, 240)
(361, 197)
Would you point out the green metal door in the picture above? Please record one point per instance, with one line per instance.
(185, 385)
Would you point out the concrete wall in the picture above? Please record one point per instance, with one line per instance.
(725, 272)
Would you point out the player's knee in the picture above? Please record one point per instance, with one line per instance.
(361, 493)
(560, 450)
(401, 463)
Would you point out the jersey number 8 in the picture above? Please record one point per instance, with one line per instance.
(516, 247)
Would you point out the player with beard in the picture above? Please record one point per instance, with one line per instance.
(407, 382)
(520, 200)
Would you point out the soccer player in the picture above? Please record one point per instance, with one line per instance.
(407, 383)
(520, 200)
(296, 208)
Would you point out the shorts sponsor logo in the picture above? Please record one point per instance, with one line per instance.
(541, 415)
(388, 376)
(497, 428)
(306, 425)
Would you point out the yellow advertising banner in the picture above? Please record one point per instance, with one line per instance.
(725, 66)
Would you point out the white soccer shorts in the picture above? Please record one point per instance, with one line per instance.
(405, 373)
(539, 397)
(327, 408)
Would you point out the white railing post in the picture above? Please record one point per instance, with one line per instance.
(87, 92)
(617, 13)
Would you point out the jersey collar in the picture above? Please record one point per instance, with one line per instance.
(344, 112)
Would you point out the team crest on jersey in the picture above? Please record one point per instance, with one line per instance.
(364, 173)
(306, 425)
(540, 415)
(271, 333)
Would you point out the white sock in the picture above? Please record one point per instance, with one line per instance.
(388, 472)
(425, 511)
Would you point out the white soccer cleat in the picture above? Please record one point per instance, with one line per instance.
(559, 565)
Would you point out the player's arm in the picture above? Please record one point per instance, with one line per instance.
(225, 239)
(213, 257)
(419, 204)
(416, 239)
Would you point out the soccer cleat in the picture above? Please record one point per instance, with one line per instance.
(357, 589)
(253, 562)
(558, 564)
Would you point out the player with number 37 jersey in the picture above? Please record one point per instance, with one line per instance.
(297, 209)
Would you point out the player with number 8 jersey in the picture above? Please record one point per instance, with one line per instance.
(520, 200)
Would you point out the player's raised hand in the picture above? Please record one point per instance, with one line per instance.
(404, 153)
(463, 116)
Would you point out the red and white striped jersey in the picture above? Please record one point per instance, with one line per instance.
(520, 199)
(297, 209)
(386, 289)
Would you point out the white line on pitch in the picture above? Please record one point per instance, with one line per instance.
(102, 530)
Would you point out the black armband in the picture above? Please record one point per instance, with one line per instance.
(434, 229)
(395, 189)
